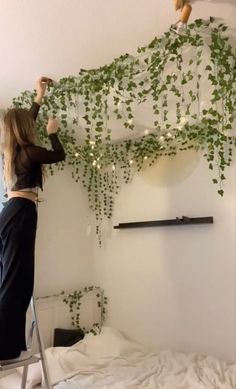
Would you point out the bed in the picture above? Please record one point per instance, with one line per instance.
(111, 361)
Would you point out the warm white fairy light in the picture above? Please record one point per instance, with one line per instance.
(92, 144)
(94, 163)
(131, 162)
(113, 167)
(146, 132)
(145, 157)
(91, 154)
(98, 166)
(76, 155)
(183, 120)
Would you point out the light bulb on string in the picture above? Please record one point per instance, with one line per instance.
(183, 120)
(145, 157)
(76, 155)
(131, 162)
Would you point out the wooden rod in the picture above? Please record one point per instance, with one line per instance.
(185, 13)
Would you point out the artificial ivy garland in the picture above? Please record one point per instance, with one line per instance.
(74, 302)
(86, 104)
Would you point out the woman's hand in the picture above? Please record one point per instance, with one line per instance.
(52, 126)
(41, 86)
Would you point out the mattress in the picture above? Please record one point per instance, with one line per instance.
(111, 361)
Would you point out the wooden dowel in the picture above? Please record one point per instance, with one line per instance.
(178, 4)
(186, 11)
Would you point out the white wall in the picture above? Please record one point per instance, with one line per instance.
(174, 287)
(63, 249)
(168, 287)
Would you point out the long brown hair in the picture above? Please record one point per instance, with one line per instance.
(18, 129)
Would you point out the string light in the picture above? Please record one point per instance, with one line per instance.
(131, 162)
(145, 158)
(98, 166)
(76, 155)
(146, 132)
(113, 167)
(91, 154)
(92, 143)
(183, 120)
(94, 163)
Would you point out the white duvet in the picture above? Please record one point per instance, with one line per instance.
(110, 361)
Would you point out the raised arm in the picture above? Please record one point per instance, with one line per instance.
(43, 156)
(41, 86)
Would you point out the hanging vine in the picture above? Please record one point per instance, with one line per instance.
(189, 82)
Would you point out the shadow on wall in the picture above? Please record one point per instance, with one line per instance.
(169, 171)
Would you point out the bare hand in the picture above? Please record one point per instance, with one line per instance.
(41, 86)
(52, 126)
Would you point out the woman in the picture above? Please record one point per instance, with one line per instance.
(22, 171)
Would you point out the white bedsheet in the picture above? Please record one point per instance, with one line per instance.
(110, 361)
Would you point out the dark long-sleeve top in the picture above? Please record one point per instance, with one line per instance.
(28, 159)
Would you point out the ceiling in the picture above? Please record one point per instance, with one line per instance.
(58, 37)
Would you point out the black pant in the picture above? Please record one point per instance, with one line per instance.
(18, 222)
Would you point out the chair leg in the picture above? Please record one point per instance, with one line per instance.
(24, 377)
(41, 348)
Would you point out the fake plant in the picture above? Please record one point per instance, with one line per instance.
(172, 75)
(74, 301)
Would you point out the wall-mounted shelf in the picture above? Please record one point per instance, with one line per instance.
(184, 220)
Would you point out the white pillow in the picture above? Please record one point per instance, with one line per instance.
(34, 376)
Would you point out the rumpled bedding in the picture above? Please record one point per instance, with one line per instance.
(110, 361)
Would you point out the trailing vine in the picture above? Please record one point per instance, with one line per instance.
(74, 302)
(188, 81)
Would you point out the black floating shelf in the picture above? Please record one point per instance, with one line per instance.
(184, 220)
